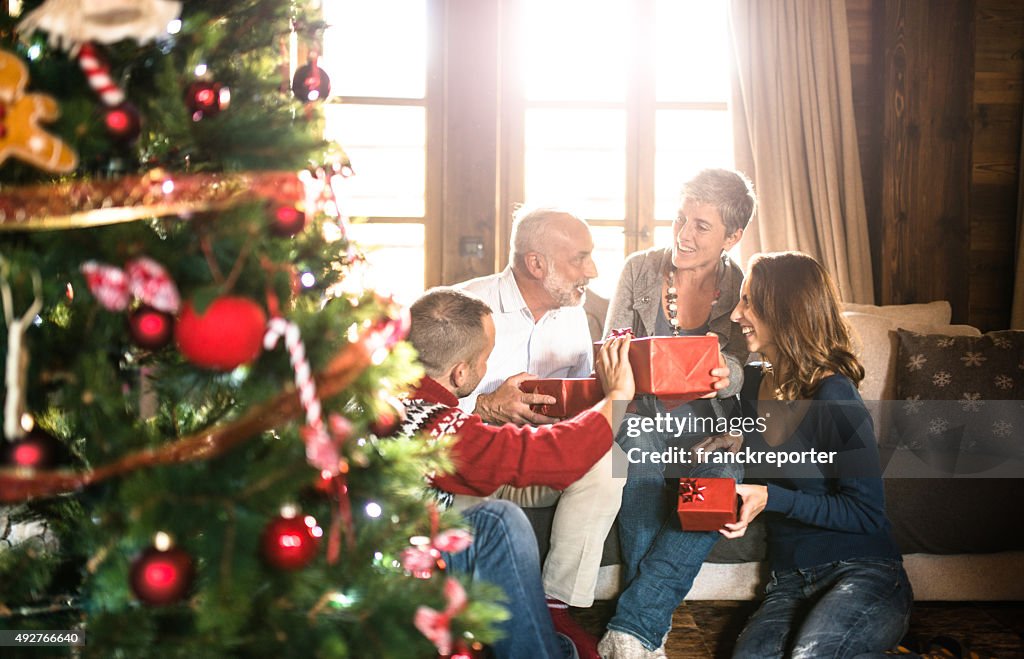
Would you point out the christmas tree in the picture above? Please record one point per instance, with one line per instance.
(197, 407)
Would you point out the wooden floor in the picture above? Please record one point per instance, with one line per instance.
(707, 629)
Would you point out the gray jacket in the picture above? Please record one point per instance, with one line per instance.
(638, 295)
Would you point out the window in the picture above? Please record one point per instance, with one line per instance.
(375, 52)
(603, 106)
(614, 105)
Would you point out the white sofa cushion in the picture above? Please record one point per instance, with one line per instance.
(928, 314)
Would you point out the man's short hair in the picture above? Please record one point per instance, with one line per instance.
(531, 230)
(447, 328)
(729, 191)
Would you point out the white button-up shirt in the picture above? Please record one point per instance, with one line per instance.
(556, 346)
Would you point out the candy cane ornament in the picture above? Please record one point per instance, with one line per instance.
(321, 448)
(321, 451)
(98, 74)
(121, 119)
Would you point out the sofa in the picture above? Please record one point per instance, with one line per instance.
(959, 534)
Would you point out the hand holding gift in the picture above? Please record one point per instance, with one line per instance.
(614, 370)
(707, 504)
(678, 367)
(755, 498)
(511, 403)
(613, 381)
(719, 374)
(571, 395)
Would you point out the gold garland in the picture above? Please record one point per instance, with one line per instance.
(90, 203)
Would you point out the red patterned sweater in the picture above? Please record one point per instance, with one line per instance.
(486, 457)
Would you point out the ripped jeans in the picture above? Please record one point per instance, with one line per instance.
(855, 608)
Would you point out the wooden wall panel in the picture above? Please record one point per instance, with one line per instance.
(863, 19)
(928, 100)
(911, 60)
(997, 106)
(470, 130)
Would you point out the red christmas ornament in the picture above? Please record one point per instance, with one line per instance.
(122, 122)
(228, 334)
(36, 450)
(290, 541)
(463, 651)
(206, 99)
(311, 83)
(389, 420)
(150, 328)
(286, 220)
(324, 483)
(162, 577)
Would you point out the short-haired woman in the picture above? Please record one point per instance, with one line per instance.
(685, 289)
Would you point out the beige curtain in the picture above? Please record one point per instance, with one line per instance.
(795, 135)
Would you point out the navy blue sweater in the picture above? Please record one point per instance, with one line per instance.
(822, 513)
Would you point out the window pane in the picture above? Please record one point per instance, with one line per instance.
(577, 159)
(609, 255)
(692, 50)
(394, 259)
(687, 141)
(386, 145)
(662, 235)
(376, 47)
(575, 50)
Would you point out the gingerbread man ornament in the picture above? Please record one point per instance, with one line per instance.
(21, 136)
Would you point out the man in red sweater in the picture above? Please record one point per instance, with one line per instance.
(454, 335)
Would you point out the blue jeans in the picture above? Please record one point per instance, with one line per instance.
(855, 608)
(504, 553)
(660, 560)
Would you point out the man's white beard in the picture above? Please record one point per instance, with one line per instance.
(562, 291)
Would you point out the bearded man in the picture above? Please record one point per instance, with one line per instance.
(537, 302)
(541, 331)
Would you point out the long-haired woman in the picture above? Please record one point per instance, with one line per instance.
(838, 588)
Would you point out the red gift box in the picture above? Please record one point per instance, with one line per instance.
(673, 366)
(705, 504)
(572, 395)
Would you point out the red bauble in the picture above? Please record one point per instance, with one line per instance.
(164, 577)
(150, 328)
(389, 420)
(206, 99)
(463, 651)
(290, 543)
(36, 450)
(324, 484)
(286, 220)
(122, 122)
(229, 333)
(311, 83)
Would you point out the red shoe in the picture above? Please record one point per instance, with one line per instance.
(585, 642)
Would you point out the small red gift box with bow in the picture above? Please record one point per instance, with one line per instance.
(572, 395)
(705, 504)
(678, 367)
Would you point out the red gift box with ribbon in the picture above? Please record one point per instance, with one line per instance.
(705, 504)
(572, 395)
(672, 366)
